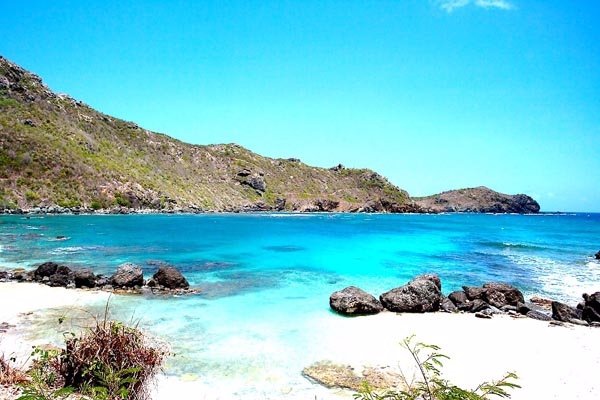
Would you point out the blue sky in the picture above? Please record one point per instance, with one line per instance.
(435, 95)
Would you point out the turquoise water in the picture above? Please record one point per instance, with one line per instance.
(265, 278)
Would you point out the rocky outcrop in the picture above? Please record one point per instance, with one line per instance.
(170, 278)
(480, 199)
(354, 301)
(419, 295)
(45, 270)
(128, 275)
(597, 255)
(84, 278)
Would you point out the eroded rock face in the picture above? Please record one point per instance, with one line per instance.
(430, 277)
(354, 301)
(511, 295)
(418, 296)
(473, 292)
(170, 278)
(128, 275)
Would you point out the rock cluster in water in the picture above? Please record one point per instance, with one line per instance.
(128, 278)
(424, 294)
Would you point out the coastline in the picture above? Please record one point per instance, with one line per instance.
(553, 362)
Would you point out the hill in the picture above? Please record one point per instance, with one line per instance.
(480, 199)
(57, 151)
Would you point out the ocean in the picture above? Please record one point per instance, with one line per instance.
(265, 279)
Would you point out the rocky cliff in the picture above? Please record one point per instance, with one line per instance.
(57, 151)
(480, 199)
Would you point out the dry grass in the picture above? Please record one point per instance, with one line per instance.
(113, 356)
(10, 375)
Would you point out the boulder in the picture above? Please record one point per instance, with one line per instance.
(84, 278)
(473, 292)
(128, 275)
(62, 277)
(478, 305)
(495, 298)
(447, 305)
(512, 295)
(597, 255)
(170, 278)
(4, 276)
(45, 269)
(541, 316)
(591, 307)
(354, 301)
(418, 296)
(564, 313)
(460, 300)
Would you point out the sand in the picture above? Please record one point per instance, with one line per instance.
(552, 362)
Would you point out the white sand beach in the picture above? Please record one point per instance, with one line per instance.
(553, 362)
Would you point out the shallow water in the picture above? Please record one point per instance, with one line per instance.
(266, 278)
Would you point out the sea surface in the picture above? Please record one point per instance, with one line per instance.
(266, 278)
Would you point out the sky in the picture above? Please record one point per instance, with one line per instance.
(433, 94)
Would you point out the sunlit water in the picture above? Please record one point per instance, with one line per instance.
(266, 278)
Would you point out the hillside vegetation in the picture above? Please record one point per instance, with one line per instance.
(55, 150)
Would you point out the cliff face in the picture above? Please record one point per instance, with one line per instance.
(55, 150)
(480, 199)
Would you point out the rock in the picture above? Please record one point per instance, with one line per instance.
(564, 313)
(430, 277)
(579, 322)
(483, 314)
(45, 269)
(534, 314)
(62, 277)
(509, 308)
(151, 283)
(495, 298)
(354, 301)
(447, 305)
(597, 255)
(170, 278)
(546, 304)
(333, 375)
(591, 309)
(418, 296)
(460, 300)
(473, 292)
(84, 278)
(4, 276)
(512, 295)
(128, 275)
(478, 305)
(257, 182)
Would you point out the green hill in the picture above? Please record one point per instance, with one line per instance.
(57, 151)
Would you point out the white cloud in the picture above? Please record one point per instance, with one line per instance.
(451, 5)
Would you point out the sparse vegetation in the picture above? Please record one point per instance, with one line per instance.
(431, 385)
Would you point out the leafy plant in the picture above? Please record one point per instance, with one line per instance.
(432, 386)
(45, 379)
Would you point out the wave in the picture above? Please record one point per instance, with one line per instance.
(513, 245)
(71, 250)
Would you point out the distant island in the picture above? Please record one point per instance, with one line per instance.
(59, 155)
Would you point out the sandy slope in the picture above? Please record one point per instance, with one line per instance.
(552, 362)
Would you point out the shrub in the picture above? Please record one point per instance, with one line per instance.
(428, 361)
(112, 361)
(10, 375)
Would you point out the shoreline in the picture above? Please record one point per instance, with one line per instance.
(553, 362)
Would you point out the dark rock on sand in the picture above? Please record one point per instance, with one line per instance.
(447, 305)
(84, 278)
(478, 305)
(170, 278)
(597, 255)
(4, 276)
(430, 277)
(565, 313)
(354, 301)
(45, 269)
(541, 316)
(460, 300)
(591, 308)
(62, 277)
(420, 295)
(128, 275)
